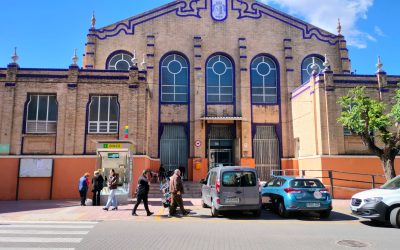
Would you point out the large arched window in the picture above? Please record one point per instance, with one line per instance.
(174, 79)
(306, 66)
(264, 80)
(119, 60)
(220, 80)
(103, 114)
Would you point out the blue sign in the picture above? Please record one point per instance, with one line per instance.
(219, 10)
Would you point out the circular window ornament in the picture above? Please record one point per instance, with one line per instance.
(120, 61)
(174, 67)
(219, 68)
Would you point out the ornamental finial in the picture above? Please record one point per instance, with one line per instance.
(327, 65)
(379, 65)
(144, 63)
(15, 57)
(339, 27)
(75, 58)
(314, 67)
(134, 59)
(93, 20)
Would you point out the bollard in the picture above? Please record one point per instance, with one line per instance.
(331, 181)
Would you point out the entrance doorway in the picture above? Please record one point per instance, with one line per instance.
(220, 146)
(174, 149)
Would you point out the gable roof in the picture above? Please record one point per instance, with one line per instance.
(246, 9)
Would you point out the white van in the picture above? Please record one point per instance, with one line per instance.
(380, 204)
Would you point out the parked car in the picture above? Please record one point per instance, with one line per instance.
(288, 194)
(231, 188)
(380, 204)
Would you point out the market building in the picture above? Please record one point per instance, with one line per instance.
(193, 84)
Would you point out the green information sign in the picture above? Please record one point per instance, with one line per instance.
(5, 149)
(113, 155)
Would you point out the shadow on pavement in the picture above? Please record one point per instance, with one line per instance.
(23, 206)
(377, 224)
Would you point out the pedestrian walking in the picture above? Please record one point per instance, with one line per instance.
(97, 186)
(112, 186)
(143, 192)
(176, 190)
(83, 188)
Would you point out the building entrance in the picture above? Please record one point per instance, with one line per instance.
(220, 146)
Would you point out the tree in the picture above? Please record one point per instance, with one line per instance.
(371, 120)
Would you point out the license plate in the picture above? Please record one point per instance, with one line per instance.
(232, 200)
(313, 205)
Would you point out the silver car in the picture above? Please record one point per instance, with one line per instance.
(231, 188)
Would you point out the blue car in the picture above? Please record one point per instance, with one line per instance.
(288, 194)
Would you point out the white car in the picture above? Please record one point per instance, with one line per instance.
(380, 204)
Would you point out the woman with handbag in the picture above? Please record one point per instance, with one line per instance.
(143, 192)
(112, 185)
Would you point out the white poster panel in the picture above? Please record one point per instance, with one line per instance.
(35, 167)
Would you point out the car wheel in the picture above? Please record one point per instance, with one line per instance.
(325, 214)
(282, 209)
(395, 217)
(214, 211)
(257, 213)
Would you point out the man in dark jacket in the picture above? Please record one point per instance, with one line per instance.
(97, 186)
(143, 192)
(83, 188)
(176, 190)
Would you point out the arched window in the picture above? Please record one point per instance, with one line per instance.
(264, 81)
(174, 79)
(306, 70)
(41, 114)
(220, 79)
(103, 114)
(119, 61)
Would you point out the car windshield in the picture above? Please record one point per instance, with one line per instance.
(239, 179)
(392, 184)
(306, 183)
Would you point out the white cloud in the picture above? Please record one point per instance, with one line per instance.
(324, 14)
(379, 31)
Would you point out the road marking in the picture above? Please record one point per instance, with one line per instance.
(47, 222)
(33, 248)
(4, 231)
(45, 226)
(39, 240)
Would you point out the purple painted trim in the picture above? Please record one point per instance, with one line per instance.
(242, 47)
(197, 56)
(287, 40)
(90, 53)
(9, 84)
(242, 39)
(328, 72)
(90, 43)
(150, 55)
(226, 10)
(288, 57)
(288, 48)
(12, 65)
(42, 69)
(150, 45)
(133, 86)
(133, 68)
(312, 92)
(150, 67)
(42, 76)
(255, 10)
(89, 66)
(345, 49)
(243, 56)
(104, 77)
(151, 36)
(342, 41)
(299, 93)
(197, 37)
(329, 89)
(243, 69)
(197, 68)
(3, 75)
(319, 82)
(384, 90)
(83, 55)
(74, 67)
(354, 75)
(72, 85)
(103, 70)
(181, 8)
(344, 58)
(354, 82)
(197, 46)
(393, 82)
(289, 70)
(381, 73)
(346, 71)
(143, 71)
(141, 78)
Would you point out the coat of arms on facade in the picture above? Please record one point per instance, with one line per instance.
(219, 11)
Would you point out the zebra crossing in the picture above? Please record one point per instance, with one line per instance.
(29, 235)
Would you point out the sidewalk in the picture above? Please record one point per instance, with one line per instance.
(62, 210)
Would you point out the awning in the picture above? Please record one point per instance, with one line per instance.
(222, 118)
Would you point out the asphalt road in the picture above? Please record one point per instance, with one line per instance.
(200, 231)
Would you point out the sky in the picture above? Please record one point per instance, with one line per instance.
(46, 32)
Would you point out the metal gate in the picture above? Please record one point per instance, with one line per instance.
(174, 148)
(266, 151)
(220, 146)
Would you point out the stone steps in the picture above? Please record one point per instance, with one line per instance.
(192, 190)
